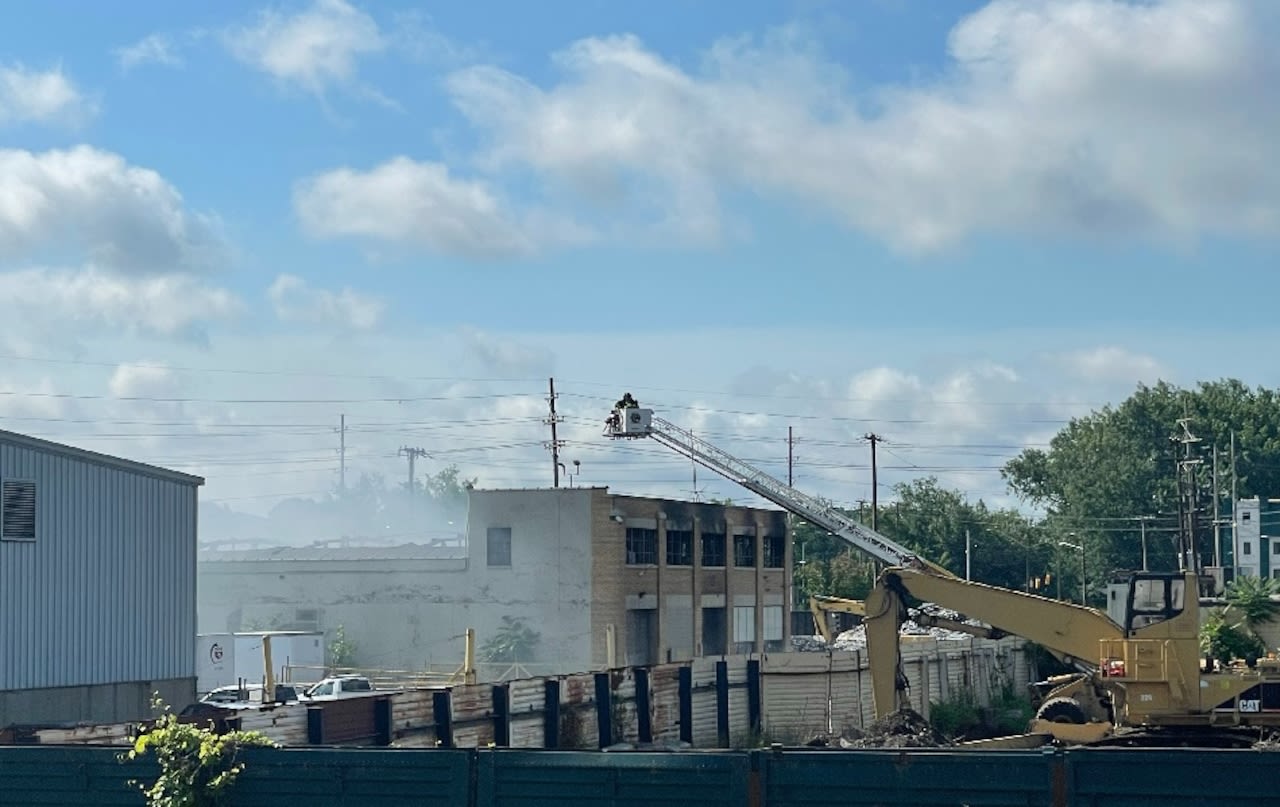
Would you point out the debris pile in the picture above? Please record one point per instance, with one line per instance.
(856, 637)
(905, 728)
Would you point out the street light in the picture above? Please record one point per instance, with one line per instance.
(1083, 587)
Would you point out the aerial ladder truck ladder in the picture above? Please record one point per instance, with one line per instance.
(634, 422)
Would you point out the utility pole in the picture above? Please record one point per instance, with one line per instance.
(968, 555)
(875, 493)
(556, 444)
(1217, 522)
(791, 458)
(1142, 525)
(1189, 501)
(412, 454)
(342, 453)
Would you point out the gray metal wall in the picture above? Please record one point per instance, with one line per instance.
(107, 591)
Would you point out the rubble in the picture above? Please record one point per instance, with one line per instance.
(856, 637)
(905, 728)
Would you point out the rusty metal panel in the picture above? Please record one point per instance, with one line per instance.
(286, 725)
(664, 680)
(527, 713)
(473, 716)
(578, 726)
(348, 720)
(705, 732)
(106, 593)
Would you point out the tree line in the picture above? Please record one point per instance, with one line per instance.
(1105, 479)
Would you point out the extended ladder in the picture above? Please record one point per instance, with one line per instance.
(636, 422)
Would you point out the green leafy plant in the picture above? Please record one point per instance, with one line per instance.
(513, 642)
(197, 765)
(342, 651)
(1223, 641)
(1250, 597)
(956, 716)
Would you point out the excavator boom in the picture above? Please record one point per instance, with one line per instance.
(1072, 631)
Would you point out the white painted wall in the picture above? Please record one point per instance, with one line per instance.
(408, 613)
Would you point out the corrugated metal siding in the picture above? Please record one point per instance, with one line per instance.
(664, 681)
(527, 714)
(796, 694)
(705, 734)
(106, 593)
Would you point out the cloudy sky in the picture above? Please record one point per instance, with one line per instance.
(956, 225)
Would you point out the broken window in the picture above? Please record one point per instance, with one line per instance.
(642, 546)
(744, 551)
(775, 551)
(713, 549)
(679, 548)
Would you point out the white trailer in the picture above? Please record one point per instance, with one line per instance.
(226, 659)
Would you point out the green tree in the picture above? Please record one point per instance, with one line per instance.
(1103, 470)
(513, 642)
(342, 651)
(197, 765)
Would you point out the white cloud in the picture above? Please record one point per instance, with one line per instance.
(314, 49)
(151, 49)
(125, 217)
(1085, 117)
(142, 379)
(502, 354)
(34, 96)
(415, 203)
(295, 301)
(1106, 364)
(95, 300)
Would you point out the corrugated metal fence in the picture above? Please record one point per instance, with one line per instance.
(707, 703)
(317, 777)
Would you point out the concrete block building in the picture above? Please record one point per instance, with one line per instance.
(97, 584)
(590, 571)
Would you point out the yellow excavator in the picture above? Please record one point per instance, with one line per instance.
(1141, 682)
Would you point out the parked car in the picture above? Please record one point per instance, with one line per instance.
(340, 686)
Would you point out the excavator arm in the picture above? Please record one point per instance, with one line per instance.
(1071, 631)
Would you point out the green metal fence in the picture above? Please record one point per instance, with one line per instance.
(344, 777)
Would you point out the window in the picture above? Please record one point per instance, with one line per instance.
(679, 548)
(642, 546)
(498, 546)
(775, 552)
(1245, 515)
(744, 551)
(744, 623)
(773, 623)
(1248, 548)
(1275, 548)
(713, 549)
(17, 510)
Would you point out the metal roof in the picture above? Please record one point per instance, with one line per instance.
(96, 458)
(330, 553)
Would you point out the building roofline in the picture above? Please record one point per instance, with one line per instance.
(98, 458)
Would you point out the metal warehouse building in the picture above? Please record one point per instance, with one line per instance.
(97, 584)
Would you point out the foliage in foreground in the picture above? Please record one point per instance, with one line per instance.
(197, 766)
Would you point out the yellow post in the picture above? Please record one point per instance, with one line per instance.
(469, 658)
(269, 690)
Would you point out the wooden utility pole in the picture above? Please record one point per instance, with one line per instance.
(791, 458)
(412, 454)
(875, 492)
(556, 444)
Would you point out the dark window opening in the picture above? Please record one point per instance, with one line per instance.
(744, 551)
(642, 546)
(679, 548)
(498, 546)
(775, 551)
(713, 549)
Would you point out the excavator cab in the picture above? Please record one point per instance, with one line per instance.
(1154, 597)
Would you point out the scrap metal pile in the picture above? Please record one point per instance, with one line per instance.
(904, 728)
(856, 637)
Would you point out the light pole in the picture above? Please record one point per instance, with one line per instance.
(1083, 585)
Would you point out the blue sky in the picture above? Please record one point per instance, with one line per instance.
(889, 215)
